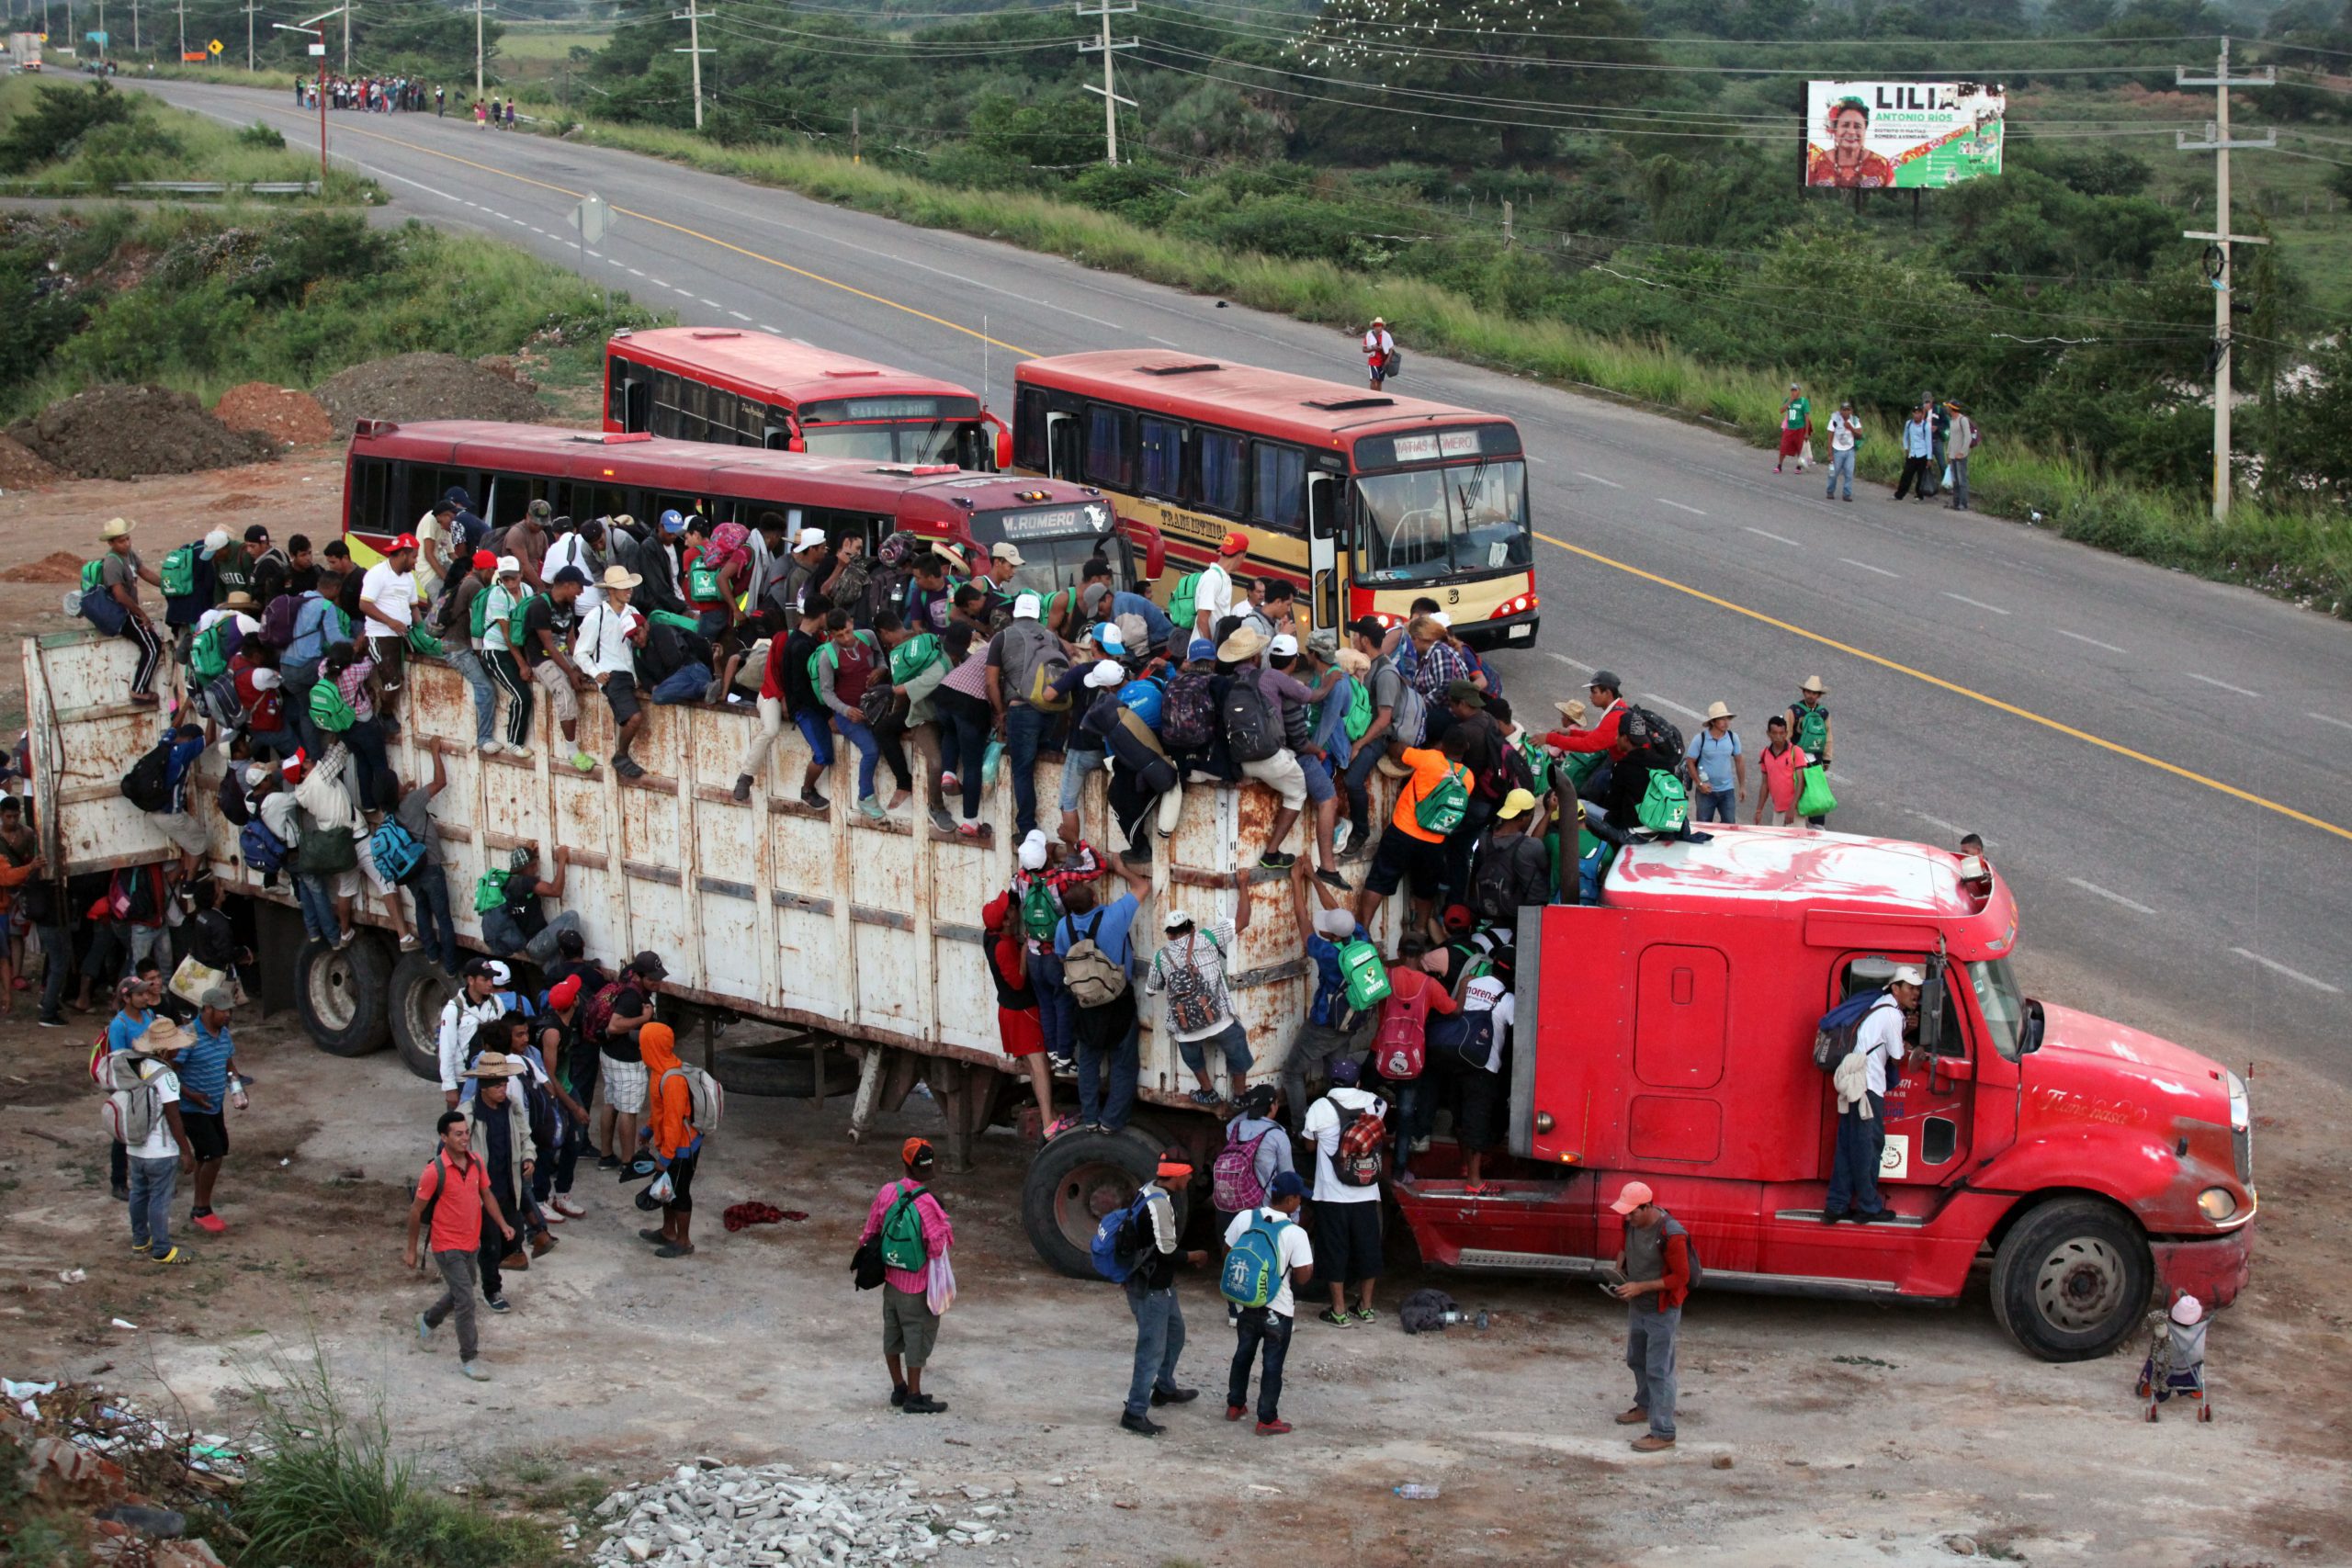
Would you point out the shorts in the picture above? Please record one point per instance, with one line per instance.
(818, 734)
(1023, 1031)
(1401, 855)
(1318, 773)
(620, 691)
(343, 884)
(1347, 1242)
(1792, 443)
(1283, 771)
(563, 701)
(1478, 1122)
(624, 1083)
(366, 849)
(910, 1329)
(183, 830)
(208, 1134)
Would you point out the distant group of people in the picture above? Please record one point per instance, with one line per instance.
(1939, 437)
(371, 94)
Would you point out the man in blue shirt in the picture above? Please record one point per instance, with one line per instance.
(205, 1070)
(1098, 601)
(319, 624)
(1718, 769)
(1106, 1034)
(1331, 1028)
(1919, 451)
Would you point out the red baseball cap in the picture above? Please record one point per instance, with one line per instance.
(485, 561)
(1632, 1196)
(564, 992)
(405, 542)
(1234, 545)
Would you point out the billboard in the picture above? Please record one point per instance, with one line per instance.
(1902, 135)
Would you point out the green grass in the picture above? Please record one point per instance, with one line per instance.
(162, 143)
(531, 55)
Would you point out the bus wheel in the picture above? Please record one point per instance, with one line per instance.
(418, 989)
(1074, 1181)
(341, 996)
(2072, 1278)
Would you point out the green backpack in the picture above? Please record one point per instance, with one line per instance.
(833, 655)
(205, 660)
(706, 584)
(1442, 809)
(1358, 719)
(480, 612)
(1039, 910)
(490, 891)
(90, 573)
(913, 657)
(1180, 602)
(328, 710)
(178, 573)
(902, 1243)
(1666, 805)
(1366, 975)
(1539, 764)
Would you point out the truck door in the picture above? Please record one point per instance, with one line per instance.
(1929, 1108)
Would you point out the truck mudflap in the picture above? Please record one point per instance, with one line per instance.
(2212, 1270)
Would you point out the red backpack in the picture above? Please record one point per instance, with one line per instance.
(597, 1012)
(1401, 1049)
(1356, 1162)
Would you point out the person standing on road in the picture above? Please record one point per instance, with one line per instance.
(1347, 1219)
(1919, 451)
(621, 1060)
(160, 1158)
(1152, 1301)
(1845, 436)
(1796, 427)
(1809, 728)
(462, 1017)
(502, 1131)
(1960, 438)
(678, 1141)
(910, 1329)
(1379, 351)
(1656, 1262)
(1777, 764)
(456, 1190)
(1861, 1102)
(208, 1085)
(1269, 1326)
(1718, 769)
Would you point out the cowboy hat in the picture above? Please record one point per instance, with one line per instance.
(240, 601)
(496, 1064)
(621, 577)
(1571, 710)
(116, 528)
(161, 1036)
(1813, 683)
(1719, 710)
(1246, 643)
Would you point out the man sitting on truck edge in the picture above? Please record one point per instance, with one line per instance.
(1862, 1117)
(1656, 1265)
(910, 1329)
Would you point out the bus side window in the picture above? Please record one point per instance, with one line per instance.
(1109, 460)
(371, 500)
(1163, 458)
(1278, 496)
(1219, 487)
(1029, 429)
(721, 414)
(751, 423)
(666, 413)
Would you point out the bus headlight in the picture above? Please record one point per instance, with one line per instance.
(2217, 1203)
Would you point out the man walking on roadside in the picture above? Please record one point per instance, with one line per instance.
(1845, 435)
(1269, 1326)
(454, 1190)
(1796, 426)
(1151, 1299)
(1919, 451)
(156, 1143)
(914, 1230)
(1961, 436)
(1656, 1265)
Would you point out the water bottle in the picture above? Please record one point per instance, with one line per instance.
(1418, 1491)
(237, 1092)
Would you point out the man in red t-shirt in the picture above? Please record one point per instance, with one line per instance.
(456, 1188)
(1413, 994)
(1656, 1265)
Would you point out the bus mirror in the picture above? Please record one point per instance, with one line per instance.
(1154, 549)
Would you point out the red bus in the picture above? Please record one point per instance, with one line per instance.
(1367, 501)
(394, 471)
(741, 389)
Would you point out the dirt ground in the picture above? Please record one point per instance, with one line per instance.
(1811, 1433)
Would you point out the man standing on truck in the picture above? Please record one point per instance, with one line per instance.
(1105, 1033)
(121, 571)
(388, 609)
(1861, 1102)
(1656, 1265)
(1406, 848)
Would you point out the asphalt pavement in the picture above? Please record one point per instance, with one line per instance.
(2162, 766)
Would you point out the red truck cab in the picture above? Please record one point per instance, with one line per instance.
(1666, 1034)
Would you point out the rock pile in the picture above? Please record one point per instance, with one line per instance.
(772, 1516)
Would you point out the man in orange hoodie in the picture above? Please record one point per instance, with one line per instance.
(678, 1141)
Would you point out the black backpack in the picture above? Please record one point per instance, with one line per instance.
(1253, 731)
(1664, 749)
(144, 786)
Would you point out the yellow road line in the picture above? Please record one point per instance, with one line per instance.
(1954, 687)
(1721, 604)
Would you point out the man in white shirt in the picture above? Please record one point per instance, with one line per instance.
(1269, 1326)
(1378, 348)
(1845, 431)
(1191, 967)
(610, 634)
(1213, 594)
(582, 548)
(1346, 1217)
(387, 608)
(476, 1003)
(1862, 1126)
(157, 1159)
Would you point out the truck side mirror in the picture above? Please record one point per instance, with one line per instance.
(2034, 1024)
(1932, 1002)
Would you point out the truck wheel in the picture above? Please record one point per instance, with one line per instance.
(2072, 1278)
(783, 1070)
(1074, 1181)
(419, 988)
(341, 996)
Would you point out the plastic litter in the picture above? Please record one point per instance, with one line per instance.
(71, 1276)
(1417, 1490)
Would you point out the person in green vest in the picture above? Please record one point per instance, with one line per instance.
(1796, 427)
(1809, 728)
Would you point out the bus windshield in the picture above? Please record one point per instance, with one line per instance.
(912, 441)
(1054, 542)
(1426, 523)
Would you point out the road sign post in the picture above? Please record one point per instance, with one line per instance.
(593, 218)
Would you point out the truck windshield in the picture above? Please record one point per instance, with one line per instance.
(2003, 1005)
(1426, 523)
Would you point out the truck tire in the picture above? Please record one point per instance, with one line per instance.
(2072, 1278)
(783, 1070)
(418, 988)
(341, 996)
(1074, 1181)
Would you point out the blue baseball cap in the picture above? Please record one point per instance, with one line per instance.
(673, 521)
(1106, 637)
(1346, 1070)
(1287, 1184)
(1201, 649)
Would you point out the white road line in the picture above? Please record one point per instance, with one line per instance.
(714, 304)
(676, 290)
(1979, 603)
(739, 315)
(2277, 968)
(1848, 560)
(2340, 724)
(1164, 342)
(2110, 896)
(633, 273)
(2224, 685)
(1680, 507)
(804, 343)
(1596, 479)
(2092, 640)
(765, 328)
(1667, 702)
(1776, 538)
(1533, 458)
(1571, 664)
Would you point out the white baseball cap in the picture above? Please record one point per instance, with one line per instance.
(510, 566)
(215, 542)
(1025, 607)
(1033, 851)
(1105, 675)
(1441, 618)
(808, 538)
(1908, 975)
(1284, 646)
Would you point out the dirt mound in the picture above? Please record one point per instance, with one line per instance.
(21, 470)
(235, 500)
(287, 416)
(120, 432)
(425, 386)
(58, 566)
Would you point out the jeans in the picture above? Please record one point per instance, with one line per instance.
(1853, 1180)
(963, 742)
(435, 925)
(59, 949)
(1960, 484)
(869, 751)
(1232, 1042)
(566, 1162)
(1024, 728)
(1057, 1011)
(1076, 767)
(460, 1273)
(319, 922)
(467, 663)
(1841, 471)
(1259, 1327)
(1159, 1340)
(494, 1244)
(1716, 805)
(148, 942)
(1100, 1050)
(506, 939)
(1649, 1351)
(153, 1183)
(297, 683)
(365, 739)
(1459, 843)
(684, 685)
(1357, 781)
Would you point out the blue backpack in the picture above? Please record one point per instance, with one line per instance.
(1118, 1240)
(1252, 1274)
(260, 849)
(395, 850)
(1833, 1037)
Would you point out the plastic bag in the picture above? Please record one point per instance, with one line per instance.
(663, 1190)
(1813, 798)
(939, 1294)
(1947, 484)
(991, 762)
(1804, 458)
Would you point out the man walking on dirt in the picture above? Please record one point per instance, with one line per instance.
(455, 1189)
(1656, 1265)
(914, 1230)
(1269, 1326)
(1151, 1298)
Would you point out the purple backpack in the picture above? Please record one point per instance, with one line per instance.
(1188, 715)
(1235, 1175)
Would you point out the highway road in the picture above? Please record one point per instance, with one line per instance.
(2162, 766)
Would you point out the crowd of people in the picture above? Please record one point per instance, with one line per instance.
(399, 94)
(1938, 438)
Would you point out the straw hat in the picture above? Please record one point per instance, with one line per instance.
(1246, 643)
(497, 1064)
(618, 576)
(116, 528)
(161, 1036)
(1813, 683)
(241, 602)
(1719, 710)
(1572, 710)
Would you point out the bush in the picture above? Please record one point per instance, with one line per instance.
(261, 136)
(60, 117)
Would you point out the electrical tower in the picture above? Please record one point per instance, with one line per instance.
(2218, 142)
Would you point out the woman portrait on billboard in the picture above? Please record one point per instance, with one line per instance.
(1846, 162)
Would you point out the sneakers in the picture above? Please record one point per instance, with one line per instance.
(921, 1404)
(742, 789)
(550, 1214)
(473, 1371)
(498, 1303)
(898, 1394)
(423, 1331)
(628, 767)
(1365, 1315)
(1208, 1097)
(1235, 1412)
(49, 1021)
(941, 823)
(1273, 1428)
(141, 1247)
(968, 829)
(582, 761)
(564, 1205)
(1331, 878)
(869, 806)
(1340, 834)
(950, 782)
(408, 943)
(1274, 859)
(1141, 1426)
(492, 748)
(1336, 1319)
(813, 801)
(520, 753)
(607, 1162)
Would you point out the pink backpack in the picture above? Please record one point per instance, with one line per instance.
(1235, 1175)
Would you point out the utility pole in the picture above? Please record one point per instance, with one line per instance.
(251, 7)
(694, 51)
(2218, 142)
(856, 149)
(477, 87)
(1110, 87)
(346, 40)
(183, 8)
